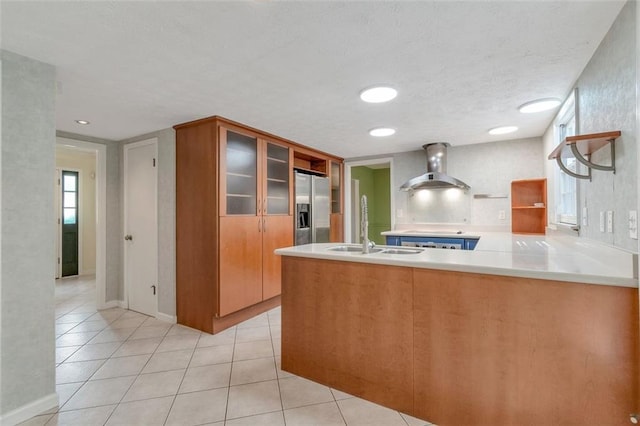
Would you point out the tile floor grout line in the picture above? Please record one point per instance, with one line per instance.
(140, 373)
(275, 363)
(233, 355)
(132, 382)
(185, 369)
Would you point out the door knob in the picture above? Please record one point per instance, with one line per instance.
(128, 238)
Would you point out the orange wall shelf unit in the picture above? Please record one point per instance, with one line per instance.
(529, 206)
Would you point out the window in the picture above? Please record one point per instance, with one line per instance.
(69, 198)
(566, 186)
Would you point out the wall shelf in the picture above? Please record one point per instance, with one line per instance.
(582, 146)
(526, 216)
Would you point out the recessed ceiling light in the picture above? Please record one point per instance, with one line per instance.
(84, 122)
(539, 105)
(502, 130)
(378, 94)
(382, 131)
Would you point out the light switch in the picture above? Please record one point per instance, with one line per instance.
(585, 222)
(610, 221)
(601, 221)
(501, 215)
(633, 224)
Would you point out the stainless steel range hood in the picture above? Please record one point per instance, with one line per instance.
(436, 176)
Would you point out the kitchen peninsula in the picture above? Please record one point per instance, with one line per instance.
(521, 330)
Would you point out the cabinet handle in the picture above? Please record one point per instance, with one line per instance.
(259, 225)
(264, 224)
(264, 206)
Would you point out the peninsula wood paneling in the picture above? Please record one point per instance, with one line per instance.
(494, 350)
(349, 326)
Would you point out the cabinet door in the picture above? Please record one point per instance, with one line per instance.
(277, 233)
(336, 235)
(277, 180)
(336, 187)
(240, 263)
(336, 219)
(239, 171)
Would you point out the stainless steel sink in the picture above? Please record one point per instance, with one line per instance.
(353, 249)
(402, 251)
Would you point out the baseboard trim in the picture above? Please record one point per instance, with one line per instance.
(29, 410)
(167, 318)
(114, 304)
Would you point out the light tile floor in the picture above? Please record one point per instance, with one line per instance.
(119, 367)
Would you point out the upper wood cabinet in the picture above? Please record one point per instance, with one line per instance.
(239, 175)
(255, 176)
(336, 233)
(234, 207)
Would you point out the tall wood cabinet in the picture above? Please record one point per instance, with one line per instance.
(234, 197)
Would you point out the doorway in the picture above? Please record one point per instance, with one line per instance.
(95, 201)
(69, 188)
(141, 226)
(373, 178)
(75, 212)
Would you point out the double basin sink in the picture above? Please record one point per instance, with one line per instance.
(381, 250)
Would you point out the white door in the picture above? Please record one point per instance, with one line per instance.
(140, 225)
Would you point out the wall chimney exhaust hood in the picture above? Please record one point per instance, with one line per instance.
(436, 176)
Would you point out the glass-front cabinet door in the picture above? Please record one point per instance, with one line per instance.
(336, 194)
(277, 185)
(239, 180)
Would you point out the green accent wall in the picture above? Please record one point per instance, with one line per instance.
(375, 184)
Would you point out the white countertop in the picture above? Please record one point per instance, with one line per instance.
(444, 233)
(558, 257)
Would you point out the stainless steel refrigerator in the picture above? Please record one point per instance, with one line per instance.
(312, 209)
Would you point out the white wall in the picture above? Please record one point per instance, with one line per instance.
(487, 168)
(607, 101)
(27, 351)
(85, 162)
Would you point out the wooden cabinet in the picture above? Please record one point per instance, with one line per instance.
(240, 283)
(529, 206)
(234, 207)
(315, 163)
(255, 185)
(336, 224)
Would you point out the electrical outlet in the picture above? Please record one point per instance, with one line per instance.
(610, 221)
(633, 224)
(501, 215)
(585, 222)
(399, 213)
(601, 221)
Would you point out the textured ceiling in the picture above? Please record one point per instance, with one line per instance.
(295, 68)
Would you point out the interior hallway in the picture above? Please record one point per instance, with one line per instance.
(119, 367)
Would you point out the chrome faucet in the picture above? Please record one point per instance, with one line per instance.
(364, 226)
